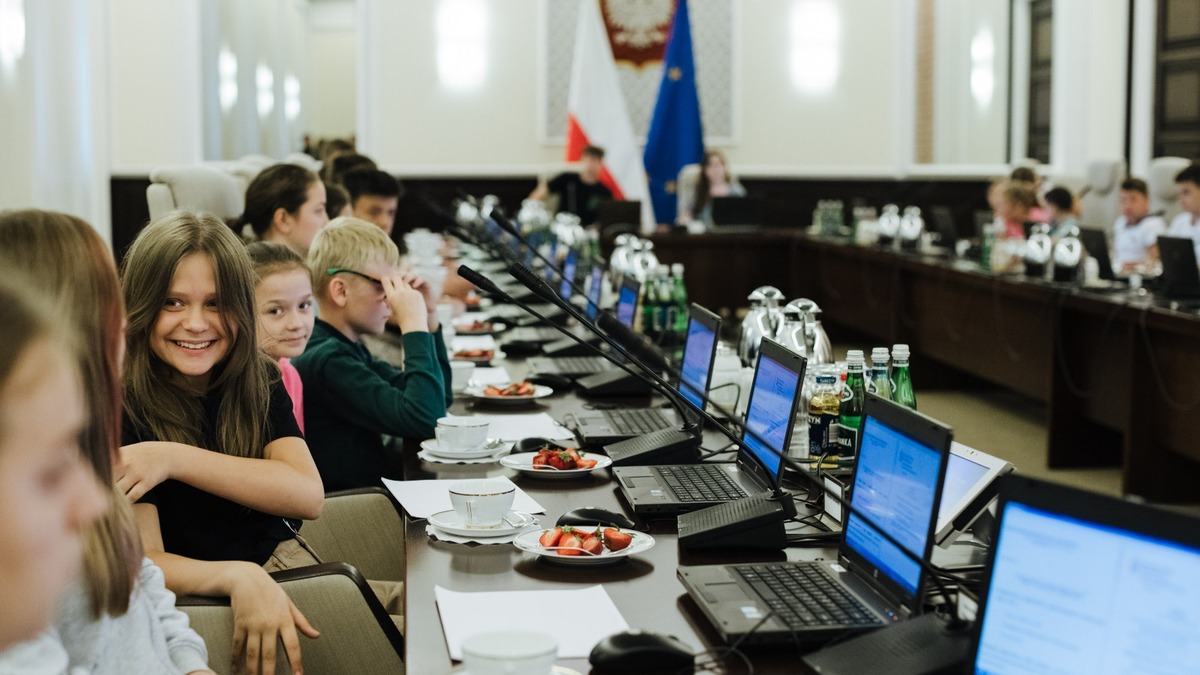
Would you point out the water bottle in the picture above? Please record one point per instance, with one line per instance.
(902, 389)
(880, 383)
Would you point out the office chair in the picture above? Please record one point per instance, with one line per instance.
(201, 187)
(1098, 202)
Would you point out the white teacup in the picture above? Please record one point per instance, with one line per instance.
(509, 652)
(461, 434)
(482, 502)
(460, 375)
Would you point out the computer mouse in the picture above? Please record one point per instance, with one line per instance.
(555, 382)
(590, 516)
(533, 444)
(639, 651)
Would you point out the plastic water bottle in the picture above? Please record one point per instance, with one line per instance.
(880, 384)
(902, 389)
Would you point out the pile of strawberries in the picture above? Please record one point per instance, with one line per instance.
(518, 389)
(561, 459)
(570, 541)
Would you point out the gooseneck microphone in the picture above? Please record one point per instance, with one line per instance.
(512, 228)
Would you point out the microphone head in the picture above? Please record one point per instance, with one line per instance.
(534, 283)
(477, 279)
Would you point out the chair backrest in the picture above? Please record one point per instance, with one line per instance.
(357, 635)
(1163, 188)
(362, 527)
(1098, 205)
(305, 160)
(202, 188)
(685, 186)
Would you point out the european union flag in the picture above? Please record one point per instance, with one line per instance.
(676, 136)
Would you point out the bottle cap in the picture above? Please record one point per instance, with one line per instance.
(677, 269)
(879, 354)
(900, 351)
(854, 356)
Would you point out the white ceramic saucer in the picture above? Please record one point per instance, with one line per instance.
(494, 446)
(452, 523)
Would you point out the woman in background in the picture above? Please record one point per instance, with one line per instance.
(714, 181)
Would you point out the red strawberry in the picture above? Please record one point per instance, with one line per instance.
(550, 538)
(615, 539)
(561, 461)
(570, 545)
(593, 546)
(586, 463)
(539, 461)
(573, 453)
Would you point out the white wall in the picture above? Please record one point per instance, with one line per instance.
(969, 126)
(154, 79)
(330, 94)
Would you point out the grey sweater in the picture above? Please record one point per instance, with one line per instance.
(151, 638)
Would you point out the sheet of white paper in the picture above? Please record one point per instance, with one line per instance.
(466, 342)
(423, 498)
(516, 427)
(493, 375)
(554, 612)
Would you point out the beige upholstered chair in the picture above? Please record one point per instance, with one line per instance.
(1163, 189)
(362, 527)
(685, 186)
(307, 161)
(202, 188)
(1098, 203)
(357, 635)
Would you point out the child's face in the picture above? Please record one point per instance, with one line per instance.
(1189, 197)
(367, 309)
(1134, 205)
(377, 209)
(285, 313)
(308, 220)
(190, 335)
(48, 493)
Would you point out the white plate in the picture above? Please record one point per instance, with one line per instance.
(528, 542)
(477, 392)
(523, 462)
(497, 328)
(494, 446)
(452, 523)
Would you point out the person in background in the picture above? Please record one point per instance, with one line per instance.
(580, 193)
(350, 396)
(1013, 202)
(119, 618)
(48, 495)
(344, 163)
(1062, 210)
(337, 201)
(1187, 223)
(211, 454)
(285, 203)
(374, 197)
(284, 301)
(715, 181)
(1136, 230)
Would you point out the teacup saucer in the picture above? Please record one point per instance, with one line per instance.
(452, 523)
(493, 447)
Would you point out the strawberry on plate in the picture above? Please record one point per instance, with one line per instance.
(615, 540)
(570, 544)
(550, 538)
(593, 546)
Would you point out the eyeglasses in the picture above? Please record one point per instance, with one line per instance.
(338, 270)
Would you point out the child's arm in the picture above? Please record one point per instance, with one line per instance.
(184, 645)
(262, 612)
(285, 482)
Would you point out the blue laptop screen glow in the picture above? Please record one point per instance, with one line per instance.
(772, 404)
(961, 475)
(1069, 595)
(548, 273)
(593, 296)
(626, 304)
(697, 357)
(564, 288)
(894, 486)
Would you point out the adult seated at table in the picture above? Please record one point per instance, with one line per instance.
(713, 180)
(1187, 223)
(1135, 232)
(578, 193)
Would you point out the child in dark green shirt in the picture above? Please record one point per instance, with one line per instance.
(352, 398)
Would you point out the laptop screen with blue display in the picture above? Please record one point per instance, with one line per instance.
(697, 362)
(770, 412)
(548, 272)
(568, 277)
(627, 301)
(593, 293)
(896, 486)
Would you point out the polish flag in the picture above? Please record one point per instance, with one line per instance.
(597, 115)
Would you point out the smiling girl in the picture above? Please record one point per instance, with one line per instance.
(211, 451)
(285, 314)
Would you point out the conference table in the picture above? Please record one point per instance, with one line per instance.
(643, 587)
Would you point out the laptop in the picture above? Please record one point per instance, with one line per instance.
(580, 366)
(737, 214)
(538, 335)
(1095, 243)
(969, 488)
(897, 484)
(1083, 583)
(1180, 279)
(619, 212)
(770, 417)
(598, 428)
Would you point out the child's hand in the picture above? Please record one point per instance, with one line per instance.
(422, 284)
(407, 304)
(262, 616)
(142, 466)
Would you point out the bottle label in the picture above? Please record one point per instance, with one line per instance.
(822, 434)
(847, 440)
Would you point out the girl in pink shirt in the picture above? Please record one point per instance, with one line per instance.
(284, 304)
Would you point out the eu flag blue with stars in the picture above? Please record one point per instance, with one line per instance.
(676, 136)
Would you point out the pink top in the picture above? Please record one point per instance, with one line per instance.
(295, 389)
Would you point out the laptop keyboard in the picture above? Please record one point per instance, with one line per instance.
(700, 483)
(805, 595)
(570, 364)
(635, 422)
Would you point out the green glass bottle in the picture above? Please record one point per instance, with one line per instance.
(679, 301)
(902, 389)
(850, 412)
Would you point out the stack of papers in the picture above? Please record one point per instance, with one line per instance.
(556, 613)
(516, 427)
(423, 498)
(462, 343)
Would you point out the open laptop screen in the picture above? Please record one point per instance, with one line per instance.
(548, 273)
(1071, 595)
(698, 354)
(593, 293)
(896, 487)
(771, 409)
(627, 301)
(568, 276)
(968, 488)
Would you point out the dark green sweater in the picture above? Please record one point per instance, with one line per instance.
(351, 398)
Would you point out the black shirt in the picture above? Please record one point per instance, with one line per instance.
(578, 197)
(200, 525)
